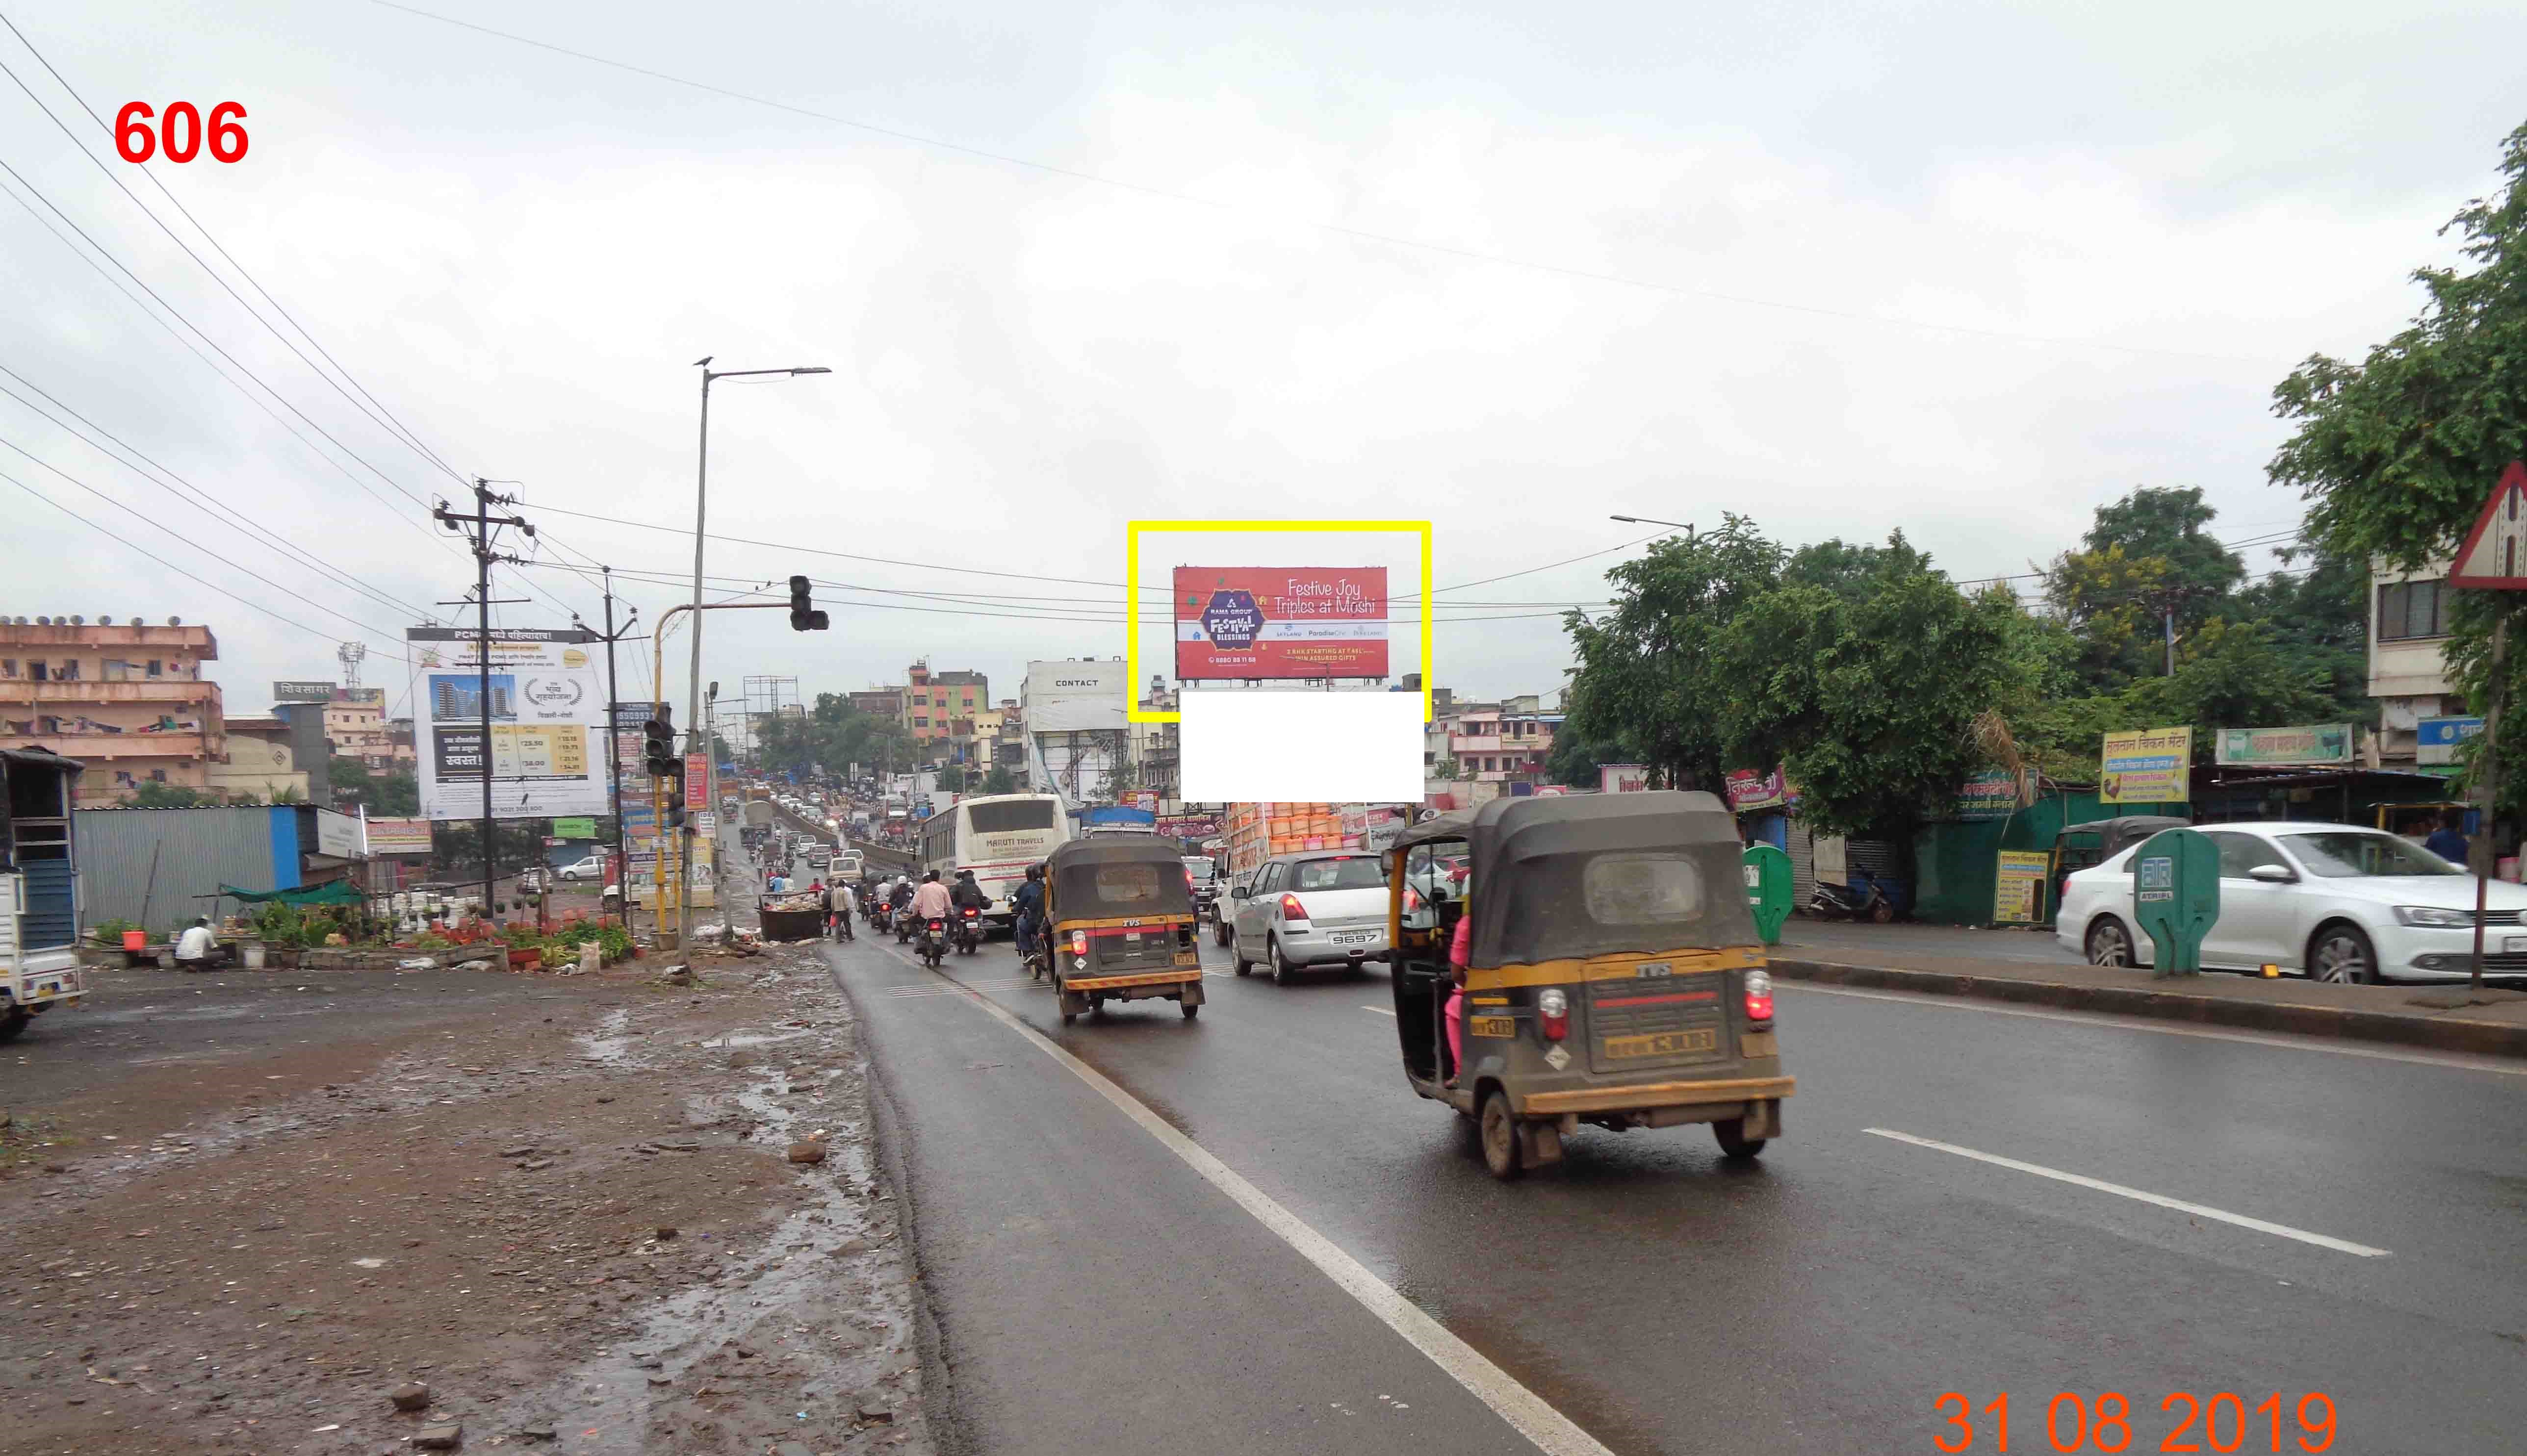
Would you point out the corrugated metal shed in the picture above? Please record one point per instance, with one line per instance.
(197, 851)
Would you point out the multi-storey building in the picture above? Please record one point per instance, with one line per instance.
(2408, 670)
(355, 721)
(126, 697)
(262, 764)
(942, 705)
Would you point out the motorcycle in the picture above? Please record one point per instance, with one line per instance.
(1833, 902)
(904, 926)
(879, 913)
(969, 931)
(934, 944)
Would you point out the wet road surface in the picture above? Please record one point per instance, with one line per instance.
(2169, 1212)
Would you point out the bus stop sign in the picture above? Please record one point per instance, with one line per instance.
(2176, 896)
(1768, 890)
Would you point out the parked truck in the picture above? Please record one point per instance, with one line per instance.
(39, 965)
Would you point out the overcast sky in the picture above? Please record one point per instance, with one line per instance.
(1964, 270)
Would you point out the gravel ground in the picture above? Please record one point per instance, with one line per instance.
(573, 1208)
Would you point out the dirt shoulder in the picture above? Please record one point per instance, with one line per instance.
(566, 1205)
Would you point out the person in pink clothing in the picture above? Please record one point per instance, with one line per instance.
(1459, 946)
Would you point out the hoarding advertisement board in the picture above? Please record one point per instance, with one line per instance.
(1749, 790)
(2435, 741)
(549, 712)
(1277, 623)
(302, 692)
(2324, 744)
(398, 837)
(1623, 778)
(2147, 765)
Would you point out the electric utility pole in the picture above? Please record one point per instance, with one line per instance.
(484, 525)
(613, 751)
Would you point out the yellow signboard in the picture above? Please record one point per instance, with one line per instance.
(2147, 765)
(2018, 895)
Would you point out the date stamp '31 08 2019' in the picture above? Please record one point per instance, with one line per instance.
(2222, 1423)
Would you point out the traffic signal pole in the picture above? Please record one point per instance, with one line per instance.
(668, 803)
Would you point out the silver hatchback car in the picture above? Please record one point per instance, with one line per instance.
(1319, 908)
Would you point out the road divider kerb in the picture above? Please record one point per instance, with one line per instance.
(2444, 1033)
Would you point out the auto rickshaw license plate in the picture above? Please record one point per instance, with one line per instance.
(1663, 1043)
(1491, 1026)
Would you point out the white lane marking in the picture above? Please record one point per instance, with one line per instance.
(1933, 1000)
(1527, 1413)
(2322, 1241)
(1383, 1011)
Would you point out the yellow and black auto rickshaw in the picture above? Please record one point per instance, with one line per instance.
(1122, 916)
(1613, 973)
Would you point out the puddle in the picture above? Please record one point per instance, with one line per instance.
(610, 1043)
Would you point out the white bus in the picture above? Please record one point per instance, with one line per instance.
(997, 835)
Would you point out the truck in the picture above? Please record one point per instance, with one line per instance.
(39, 966)
(758, 828)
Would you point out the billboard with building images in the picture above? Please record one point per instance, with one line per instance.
(545, 693)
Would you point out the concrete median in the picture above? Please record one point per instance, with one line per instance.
(2449, 1019)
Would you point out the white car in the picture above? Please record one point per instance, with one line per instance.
(1319, 908)
(2331, 902)
(584, 870)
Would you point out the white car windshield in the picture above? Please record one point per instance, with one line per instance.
(2353, 854)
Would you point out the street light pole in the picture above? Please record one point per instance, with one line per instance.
(1686, 526)
(698, 732)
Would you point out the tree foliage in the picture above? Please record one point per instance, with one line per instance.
(2398, 452)
(392, 794)
(832, 734)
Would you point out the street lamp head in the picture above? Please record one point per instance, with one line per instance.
(812, 369)
(705, 359)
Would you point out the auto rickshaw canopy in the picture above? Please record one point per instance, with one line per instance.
(1570, 876)
(1117, 878)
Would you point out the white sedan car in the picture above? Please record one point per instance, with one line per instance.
(2331, 902)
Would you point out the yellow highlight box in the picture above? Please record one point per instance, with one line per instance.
(1132, 530)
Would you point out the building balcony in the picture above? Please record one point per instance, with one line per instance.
(183, 743)
(77, 693)
(1474, 742)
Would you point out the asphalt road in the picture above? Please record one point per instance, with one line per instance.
(1094, 1292)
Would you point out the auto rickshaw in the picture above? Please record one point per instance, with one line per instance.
(1122, 916)
(1614, 975)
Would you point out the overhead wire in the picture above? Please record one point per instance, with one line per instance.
(185, 489)
(169, 566)
(377, 413)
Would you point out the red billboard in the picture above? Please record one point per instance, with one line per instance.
(1281, 622)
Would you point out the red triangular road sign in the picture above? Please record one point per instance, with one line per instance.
(2494, 553)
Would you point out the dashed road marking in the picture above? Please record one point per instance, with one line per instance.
(2200, 1211)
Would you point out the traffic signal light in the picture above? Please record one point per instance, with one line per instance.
(803, 616)
(658, 747)
(676, 808)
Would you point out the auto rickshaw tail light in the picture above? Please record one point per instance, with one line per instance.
(1079, 942)
(1759, 995)
(1553, 1012)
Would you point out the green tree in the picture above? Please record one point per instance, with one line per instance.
(998, 781)
(1866, 688)
(392, 794)
(151, 793)
(2397, 453)
(2146, 556)
(1644, 675)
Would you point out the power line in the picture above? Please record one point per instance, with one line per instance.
(1363, 234)
(206, 339)
(168, 565)
(180, 535)
(378, 415)
(183, 489)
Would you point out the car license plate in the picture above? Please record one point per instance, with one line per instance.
(1491, 1026)
(1355, 938)
(1661, 1043)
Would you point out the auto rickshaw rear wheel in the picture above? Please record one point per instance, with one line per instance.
(1191, 1012)
(1499, 1127)
(1733, 1141)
